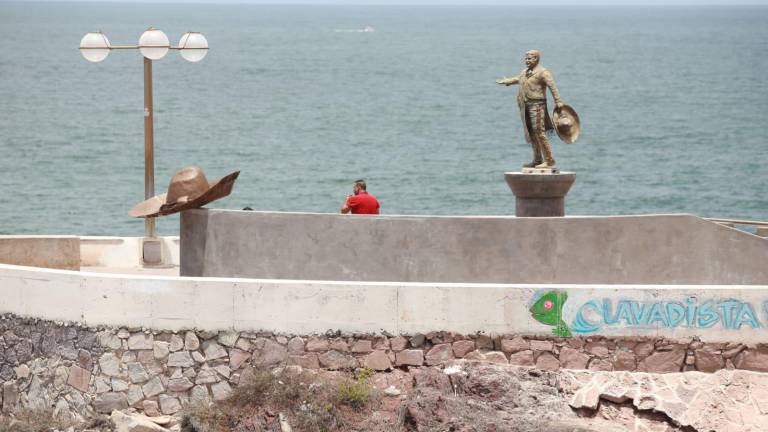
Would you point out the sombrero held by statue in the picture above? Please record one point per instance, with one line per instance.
(567, 124)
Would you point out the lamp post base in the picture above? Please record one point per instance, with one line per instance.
(151, 251)
(540, 194)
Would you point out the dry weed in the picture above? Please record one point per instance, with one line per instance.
(309, 403)
(29, 420)
(358, 392)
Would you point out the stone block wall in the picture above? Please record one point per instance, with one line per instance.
(95, 370)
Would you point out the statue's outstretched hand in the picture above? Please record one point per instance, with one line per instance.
(559, 105)
(508, 81)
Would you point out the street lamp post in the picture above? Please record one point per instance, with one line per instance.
(153, 45)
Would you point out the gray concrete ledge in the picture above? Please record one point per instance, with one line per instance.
(653, 249)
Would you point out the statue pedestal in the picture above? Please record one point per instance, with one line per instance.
(540, 194)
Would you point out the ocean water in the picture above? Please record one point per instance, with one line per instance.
(673, 102)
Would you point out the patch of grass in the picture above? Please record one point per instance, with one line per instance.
(255, 391)
(358, 392)
(28, 420)
(309, 403)
(202, 417)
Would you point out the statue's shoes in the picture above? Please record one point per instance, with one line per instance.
(531, 164)
(545, 165)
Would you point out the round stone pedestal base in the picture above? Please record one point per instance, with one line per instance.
(540, 195)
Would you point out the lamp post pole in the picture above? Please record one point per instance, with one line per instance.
(153, 45)
(150, 229)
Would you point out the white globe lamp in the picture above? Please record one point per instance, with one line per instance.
(154, 44)
(193, 46)
(94, 46)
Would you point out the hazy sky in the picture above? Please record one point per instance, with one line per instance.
(458, 2)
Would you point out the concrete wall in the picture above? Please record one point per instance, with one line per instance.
(656, 249)
(72, 252)
(123, 252)
(713, 313)
(59, 252)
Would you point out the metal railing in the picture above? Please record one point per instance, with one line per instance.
(761, 227)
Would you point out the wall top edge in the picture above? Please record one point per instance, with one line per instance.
(117, 240)
(8, 270)
(82, 238)
(37, 236)
(406, 216)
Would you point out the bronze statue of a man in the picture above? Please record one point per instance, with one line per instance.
(532, 102)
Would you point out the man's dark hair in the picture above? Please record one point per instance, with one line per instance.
(360, 183)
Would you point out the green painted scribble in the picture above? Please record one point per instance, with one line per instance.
(548, 310)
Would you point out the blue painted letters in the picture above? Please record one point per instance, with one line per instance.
(731, 314)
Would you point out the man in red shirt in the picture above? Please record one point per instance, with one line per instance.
(361, 202)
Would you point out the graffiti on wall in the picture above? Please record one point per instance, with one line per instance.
(730, 314)
(547, 307)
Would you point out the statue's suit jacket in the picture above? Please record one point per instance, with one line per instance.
(533, 88)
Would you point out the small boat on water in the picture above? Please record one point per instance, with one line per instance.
(366, 29)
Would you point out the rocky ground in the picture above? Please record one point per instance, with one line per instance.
(480, 396)
(468, 396)
(70, 376)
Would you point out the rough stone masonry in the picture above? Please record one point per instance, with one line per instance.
(84, 370)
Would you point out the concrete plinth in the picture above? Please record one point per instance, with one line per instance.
(540, 195)
(152, 251)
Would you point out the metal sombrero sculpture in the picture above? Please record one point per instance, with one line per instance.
(188, 189)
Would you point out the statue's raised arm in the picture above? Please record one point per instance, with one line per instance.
(508, 81)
